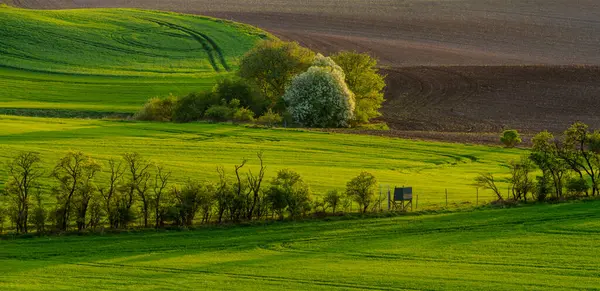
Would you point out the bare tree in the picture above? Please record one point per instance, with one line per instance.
(237, 205)
(108, 193)
(487, 181)
(143, 191)
(138, 170)
(254, 182)
(24, 172)
(223, 194)
(161, 180)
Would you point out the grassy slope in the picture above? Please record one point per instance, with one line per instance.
(326, 160)
(545, 247)
(112, 59)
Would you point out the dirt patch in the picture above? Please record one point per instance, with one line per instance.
(489, 99)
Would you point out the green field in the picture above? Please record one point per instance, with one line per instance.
(326, 160)
(112, 60)
(547, 247)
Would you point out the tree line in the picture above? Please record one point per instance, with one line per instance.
(568, 166)
(136, 192)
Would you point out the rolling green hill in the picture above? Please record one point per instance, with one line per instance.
(544, 247)
(112, 59)
(326, 160)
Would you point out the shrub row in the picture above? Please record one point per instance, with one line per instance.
(139, 192)
(231, 99)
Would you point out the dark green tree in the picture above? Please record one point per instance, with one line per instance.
(271, 65)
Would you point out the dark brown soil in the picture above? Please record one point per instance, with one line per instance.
(489, 99)
(452, 66)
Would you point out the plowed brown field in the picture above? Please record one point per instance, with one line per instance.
(452, 66)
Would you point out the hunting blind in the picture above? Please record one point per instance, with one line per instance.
(403, 197)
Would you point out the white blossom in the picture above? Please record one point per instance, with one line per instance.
(320, 97)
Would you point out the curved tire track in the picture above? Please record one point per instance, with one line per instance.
(208, 44)
(241, 276)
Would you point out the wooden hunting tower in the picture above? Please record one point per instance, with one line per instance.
(403, 197)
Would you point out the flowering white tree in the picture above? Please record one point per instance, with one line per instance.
(327, 62)
(320, 97)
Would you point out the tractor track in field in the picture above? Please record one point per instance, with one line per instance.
(122, 39)
(59, 73)
(287, 248)
(207, 43)
(106, 46)
(241, 276)
(15, 53)
(454, 229)
(408, 257)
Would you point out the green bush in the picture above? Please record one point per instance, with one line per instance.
(218, 113)
(577, 186)
(510, 138)
(38, 218)
(157, 109)
(234, 104)
(270, 119)
(362, 190)
(192, 107)
(237, 88)
(333, 199)
(243, 115)
(190, 200)
(289, 192)
(543, 188)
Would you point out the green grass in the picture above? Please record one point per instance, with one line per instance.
(326, 160)
(543, 247)
(112, 59)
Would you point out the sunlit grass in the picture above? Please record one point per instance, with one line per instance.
(112, 59)
(544, 247)
(326, 160)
